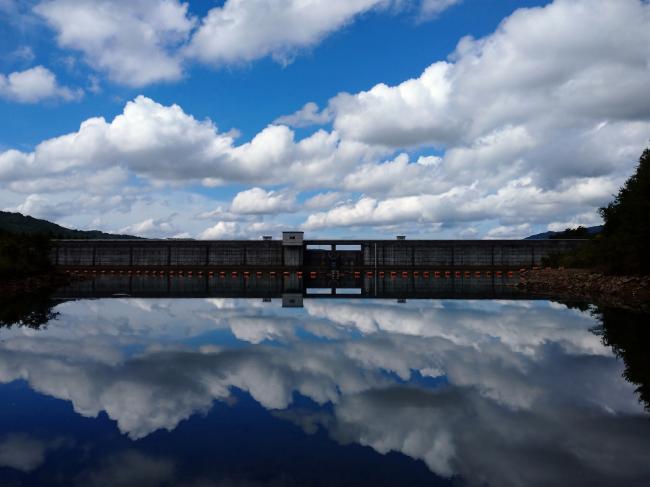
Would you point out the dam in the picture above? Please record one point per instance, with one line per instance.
(294, 252)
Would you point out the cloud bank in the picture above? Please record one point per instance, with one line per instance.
(533, 126)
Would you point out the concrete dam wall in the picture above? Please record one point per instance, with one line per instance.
(295, 252)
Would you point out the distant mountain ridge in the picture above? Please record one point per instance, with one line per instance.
(589, 232)
(24, 224)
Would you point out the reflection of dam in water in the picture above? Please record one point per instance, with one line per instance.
(294, 252)
(292, 287)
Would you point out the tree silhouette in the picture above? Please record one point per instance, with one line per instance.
(626, 231)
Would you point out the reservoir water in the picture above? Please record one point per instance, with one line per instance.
(215, 391)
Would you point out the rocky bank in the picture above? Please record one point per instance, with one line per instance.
(628, 292)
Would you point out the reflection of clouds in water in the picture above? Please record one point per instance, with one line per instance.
(459, 431)
(129, 468)
(159, 389)
(522, 326)
(24, 452)
(523, 376)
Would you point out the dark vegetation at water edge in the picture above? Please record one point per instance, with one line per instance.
(24, 255)
(623, 245)
(18, 223)
(25, 251)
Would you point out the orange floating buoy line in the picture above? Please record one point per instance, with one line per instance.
(313, 274)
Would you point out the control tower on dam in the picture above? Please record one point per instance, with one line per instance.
(294, 252)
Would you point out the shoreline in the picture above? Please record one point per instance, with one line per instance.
(625, 292)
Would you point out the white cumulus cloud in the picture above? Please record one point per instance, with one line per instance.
(133, 42)
(33, 85)
(246, 30)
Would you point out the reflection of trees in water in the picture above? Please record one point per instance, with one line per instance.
(31, 310)
(628, 334)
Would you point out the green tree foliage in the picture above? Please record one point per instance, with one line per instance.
(24, 255)
(627, 222)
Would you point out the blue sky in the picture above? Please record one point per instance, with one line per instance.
(510, 133)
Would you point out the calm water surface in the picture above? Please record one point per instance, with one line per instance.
(244, 392)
